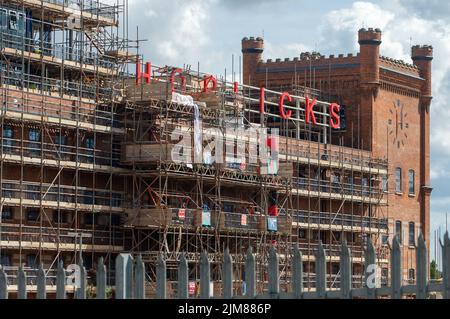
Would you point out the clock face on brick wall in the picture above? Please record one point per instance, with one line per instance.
(398, 124)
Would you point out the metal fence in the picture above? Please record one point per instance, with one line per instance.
(130, 277)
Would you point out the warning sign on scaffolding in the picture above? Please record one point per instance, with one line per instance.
(244, 220)
(181, 214)
(206, 218)
(272, 224)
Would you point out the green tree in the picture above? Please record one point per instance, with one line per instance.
(434, 272)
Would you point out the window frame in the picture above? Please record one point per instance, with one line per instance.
(32, 133)
(59, 218)
(8, 131)
(12, 14)
(5, 257)
(411, 182)
(29, 211)
(8, 135)
(9, 216)
(385, 183)
(35, 263)
(87, 143)
(411, 240)
(399, 232)
(4, 19)
(398, 179)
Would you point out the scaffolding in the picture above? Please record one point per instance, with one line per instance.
(61, 67)
(86, 167)
(324, 192)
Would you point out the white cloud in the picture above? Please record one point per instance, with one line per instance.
(403, 25)
(289, 50)
(176, 31)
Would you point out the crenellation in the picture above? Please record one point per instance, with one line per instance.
(399, 64)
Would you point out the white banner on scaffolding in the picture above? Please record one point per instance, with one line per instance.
(182, 99)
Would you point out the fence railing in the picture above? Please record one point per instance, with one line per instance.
(130, 277)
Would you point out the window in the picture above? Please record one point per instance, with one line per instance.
(398, 180)
(61, 140)
(90, 146)
(21, 23)
(411, 190)
(90, 143)
(335, 268)
(322, 236)
(5, 260)
(365, 186)
(32, 261)
(3, 19)
(337, 236)
(88, 197)
(34, 135)
(335, 178)
(350, 185)
(364, 238)
(384, 183)
(60, 217)
(115, 220)
(8, 134)
(13, 25)
(228, 208)
(384, 239)
(398, 230)
(412, 235)
(32, 215)
(411, 274)
(89, 219)
(7, 213)
(87, 263)
(302, 233)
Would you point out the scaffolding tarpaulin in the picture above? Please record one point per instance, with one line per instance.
(197, 135)
(182, 99)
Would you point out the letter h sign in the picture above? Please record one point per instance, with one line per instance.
(145, 74)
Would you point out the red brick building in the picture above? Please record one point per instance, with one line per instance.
(387, 105)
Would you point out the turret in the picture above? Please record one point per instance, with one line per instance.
(369, 41)
(252, 50)
(422, 55)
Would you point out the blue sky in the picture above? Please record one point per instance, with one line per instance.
(209, 31)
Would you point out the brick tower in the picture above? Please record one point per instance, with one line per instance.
(387, 105)
(252, 50)
(422, 57)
